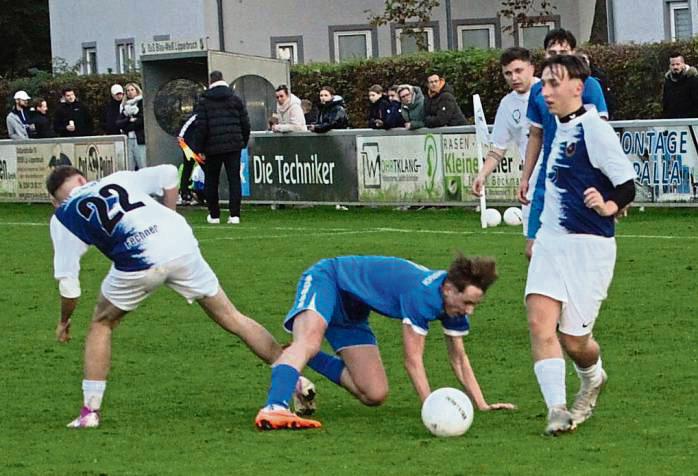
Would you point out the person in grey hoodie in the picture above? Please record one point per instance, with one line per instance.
(18, 119)
(412, 101)
(289, 112)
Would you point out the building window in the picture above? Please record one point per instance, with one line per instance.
(534, 35)
(477, 33)
(287, 48)
(161, 37)
(680, 21)
(406, 43)
(125, 56)
(352, 42)
(89, 58)
(475, 36)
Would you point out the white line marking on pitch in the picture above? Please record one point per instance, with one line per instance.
(330, 231)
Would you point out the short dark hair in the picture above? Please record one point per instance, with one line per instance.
(515, 53)
(58, 176)
(575, 65)
(434, 73)
(66, 89)
(394, 87)
(480, 272)
(282, 87)
(215, 76)
(376, 88)
(559, 35)
(675, 54)
(329, 89)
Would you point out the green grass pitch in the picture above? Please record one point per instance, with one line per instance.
(182, 394)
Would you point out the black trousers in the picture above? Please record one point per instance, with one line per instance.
(212, 173)
(185, 181)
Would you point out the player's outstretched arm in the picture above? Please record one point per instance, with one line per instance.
(464, 372)
(413, 345)
(492, 160)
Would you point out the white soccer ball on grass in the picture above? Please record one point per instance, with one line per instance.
(447, 412)
(513, 216)
(493, 217)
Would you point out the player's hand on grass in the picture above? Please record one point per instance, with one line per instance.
(63, 331)
(478, 185)
(594, 200)
(497, 406)
(522, 192)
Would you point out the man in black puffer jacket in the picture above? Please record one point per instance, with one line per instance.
(441, 108)
(222, 131)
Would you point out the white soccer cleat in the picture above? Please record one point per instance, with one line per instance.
(87, 419)
(585, 400)
(304, 403)
(559, 421)
(233, 220)
(213, 221)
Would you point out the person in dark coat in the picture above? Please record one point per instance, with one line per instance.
(441, 108)
(112, 111)
(309, 112)
(72, 119)
(222, 131)
(395, 118)
(41, 121)
(680, 96)
(377, 107)
(332, 114)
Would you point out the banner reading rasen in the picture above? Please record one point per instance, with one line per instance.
(318, 168)
(665, 161)
(24, 166)
(400, 168)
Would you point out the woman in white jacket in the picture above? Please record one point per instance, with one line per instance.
(289, 112)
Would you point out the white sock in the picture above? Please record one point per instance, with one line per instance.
(551, 379)
(590, 376)
(93, 391)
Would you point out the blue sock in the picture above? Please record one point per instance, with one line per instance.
(328, 365)
(283, 383)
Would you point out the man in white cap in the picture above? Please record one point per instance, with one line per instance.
(112, 110)
(18, 119)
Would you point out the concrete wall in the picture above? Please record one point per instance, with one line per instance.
(644, 21)
(74, 22)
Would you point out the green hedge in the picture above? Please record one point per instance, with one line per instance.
(636, 76)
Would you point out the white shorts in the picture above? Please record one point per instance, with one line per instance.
(189, 275)
(575, 270)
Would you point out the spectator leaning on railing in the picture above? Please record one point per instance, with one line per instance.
(288, 111)
(440, 107)
(382, 113)
(41, 121)
(18, 119)
(332, 113)
(412, 109)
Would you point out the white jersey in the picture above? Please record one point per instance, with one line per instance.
(118, 215)
(511, 124)
(585, 153)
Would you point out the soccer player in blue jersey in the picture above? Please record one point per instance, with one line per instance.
(588, 179)
(149, 245)
(542, 130)
(333, 301)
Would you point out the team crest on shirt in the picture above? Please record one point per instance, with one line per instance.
(570, 149)
(516, 115)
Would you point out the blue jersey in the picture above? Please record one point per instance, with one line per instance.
(118, 215)
(585, 153)
(539, 116)
(396, 288)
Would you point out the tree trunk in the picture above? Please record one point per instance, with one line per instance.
(599, 28)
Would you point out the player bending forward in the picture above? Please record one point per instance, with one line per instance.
(149, 245)
(587, 180)
(334, 299)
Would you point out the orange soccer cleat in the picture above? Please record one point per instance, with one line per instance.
(281, 419)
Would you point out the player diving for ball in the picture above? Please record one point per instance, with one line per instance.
(333, 301)
(149, 245)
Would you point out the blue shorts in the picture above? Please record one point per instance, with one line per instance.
(346, 317)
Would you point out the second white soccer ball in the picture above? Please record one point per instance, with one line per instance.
(513, 216)
(493, 217)
(447, 412)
